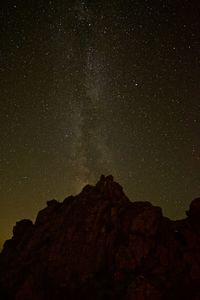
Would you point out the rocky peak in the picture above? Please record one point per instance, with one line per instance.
(194, 211)
(111, 189)
(100, 245)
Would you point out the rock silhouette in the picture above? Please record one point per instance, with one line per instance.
(99, 245)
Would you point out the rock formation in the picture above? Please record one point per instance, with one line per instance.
(100, 246)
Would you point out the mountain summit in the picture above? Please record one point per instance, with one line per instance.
(98, 245)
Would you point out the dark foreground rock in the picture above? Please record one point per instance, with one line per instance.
(98, 245)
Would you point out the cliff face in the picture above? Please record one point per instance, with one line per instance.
(99, 245)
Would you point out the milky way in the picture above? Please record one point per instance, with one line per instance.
(88, 112)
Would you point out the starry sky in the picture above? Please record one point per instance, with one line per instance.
(91, 87)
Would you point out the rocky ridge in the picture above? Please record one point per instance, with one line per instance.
(99, 245)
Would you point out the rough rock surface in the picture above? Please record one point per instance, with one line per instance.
(99, 245)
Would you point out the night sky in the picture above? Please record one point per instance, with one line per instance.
(98, 87)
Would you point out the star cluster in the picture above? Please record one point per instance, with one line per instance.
(93, 87)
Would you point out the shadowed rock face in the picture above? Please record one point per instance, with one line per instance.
(99, 245)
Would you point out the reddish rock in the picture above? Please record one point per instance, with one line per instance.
(194, 211)
(99, 245)
(142, 289)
